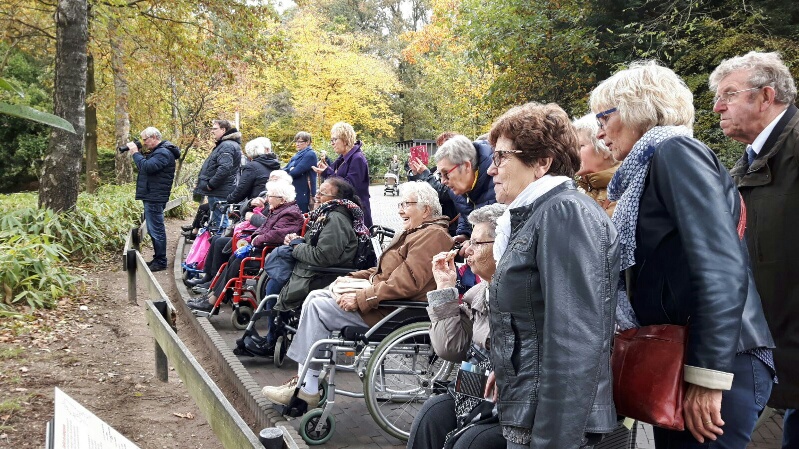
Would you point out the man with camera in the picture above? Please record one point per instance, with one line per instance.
(153, 186)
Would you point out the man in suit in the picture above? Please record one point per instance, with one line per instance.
(755, 96)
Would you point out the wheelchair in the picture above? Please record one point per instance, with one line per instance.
(394, 360)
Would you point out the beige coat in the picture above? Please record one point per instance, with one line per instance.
(404, 270)
(595, 185)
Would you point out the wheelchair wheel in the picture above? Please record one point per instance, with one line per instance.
(281, 347)
(401, 374)
(307, 427)
(241, 317)
(323, 389)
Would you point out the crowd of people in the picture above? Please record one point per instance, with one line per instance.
(616, 220)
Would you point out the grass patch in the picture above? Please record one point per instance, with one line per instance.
(10, 353)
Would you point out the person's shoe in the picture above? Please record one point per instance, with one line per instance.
(291, 383)
(283, 396)
(201, 289)
(189, 239)
(187, 228)
(200, 304)
(196, 281)
(156, 266)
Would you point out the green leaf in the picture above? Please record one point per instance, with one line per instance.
(37, 116)
(11, 87)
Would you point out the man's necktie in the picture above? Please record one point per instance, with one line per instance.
(750, 154)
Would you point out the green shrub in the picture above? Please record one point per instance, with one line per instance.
(378, 156)
(37, 244)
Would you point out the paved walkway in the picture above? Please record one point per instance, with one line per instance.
(354, 426)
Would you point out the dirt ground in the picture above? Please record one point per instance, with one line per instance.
(97, 348)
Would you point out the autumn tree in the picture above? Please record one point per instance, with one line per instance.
(60, 181)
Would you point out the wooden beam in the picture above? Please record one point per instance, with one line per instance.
(224, 420)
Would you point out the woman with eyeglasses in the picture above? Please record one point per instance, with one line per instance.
(459, 332)
(553, 293)
(300, 168)
(350, 165)
(679, 221)
(403, 272)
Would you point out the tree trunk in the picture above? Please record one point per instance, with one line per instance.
(122, 166)
(60, 180)
(92, 171)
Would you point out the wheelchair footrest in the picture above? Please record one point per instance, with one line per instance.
(296, 408)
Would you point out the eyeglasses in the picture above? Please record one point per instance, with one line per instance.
(320, 193)
(300, 141)
(333, 140)
(476, 243)
(501, 155)
(727, 97)
(274, 196)
(445, 173)
(602, 117)
(404, 205)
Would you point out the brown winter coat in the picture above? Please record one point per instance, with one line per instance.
(595, 185)
(770, 188)
(404, 270)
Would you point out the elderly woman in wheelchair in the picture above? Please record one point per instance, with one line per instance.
(284, 218)
(403, 272)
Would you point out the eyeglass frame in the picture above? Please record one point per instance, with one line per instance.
(333, 140)
(728, 96)
(445, 173)
(476, 244)
(320, 194)
(403, 205)
(501, 157)
(604, 115)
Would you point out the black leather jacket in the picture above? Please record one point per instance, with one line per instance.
(552, 303)
(691, 267)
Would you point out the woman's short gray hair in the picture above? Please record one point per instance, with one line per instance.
(458, 149)
(257, 147)
(281, 189)
(646, 95)
(587, 125)
(488, 214)
(345, 132)
(150, 132)
(303, 136)
(765, 69)
(281, 175)
(425, 196)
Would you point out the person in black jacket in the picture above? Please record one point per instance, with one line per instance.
(255, 173)
(153, 186)
(217, 176)
(684, 261)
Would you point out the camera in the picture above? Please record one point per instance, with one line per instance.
(125, 148)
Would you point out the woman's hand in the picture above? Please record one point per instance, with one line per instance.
(289, 238)
(257, 202)
(416, 165)
(491, 393)
(320, 166)
(702, 412)
(347, 302)
(444, 271)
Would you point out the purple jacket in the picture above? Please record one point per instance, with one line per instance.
(354, 168)
(284, 220)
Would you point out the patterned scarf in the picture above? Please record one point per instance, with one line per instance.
(626, 187)
(316, 220)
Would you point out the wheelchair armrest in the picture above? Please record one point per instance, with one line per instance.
(332, 270)
(404, 303)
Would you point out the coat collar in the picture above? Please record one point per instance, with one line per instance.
(759, 173)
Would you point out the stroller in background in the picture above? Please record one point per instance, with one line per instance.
(391, 184)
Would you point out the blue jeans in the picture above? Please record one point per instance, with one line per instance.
(154, 215)
(790, 429)
(740, 408)
(218, 217)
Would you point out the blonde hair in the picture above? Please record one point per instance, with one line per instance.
(646, 95)
(587, 125)
(345, 132)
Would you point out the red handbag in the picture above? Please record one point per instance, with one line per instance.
(648, 380)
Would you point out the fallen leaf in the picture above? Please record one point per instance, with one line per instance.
(184, 415)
